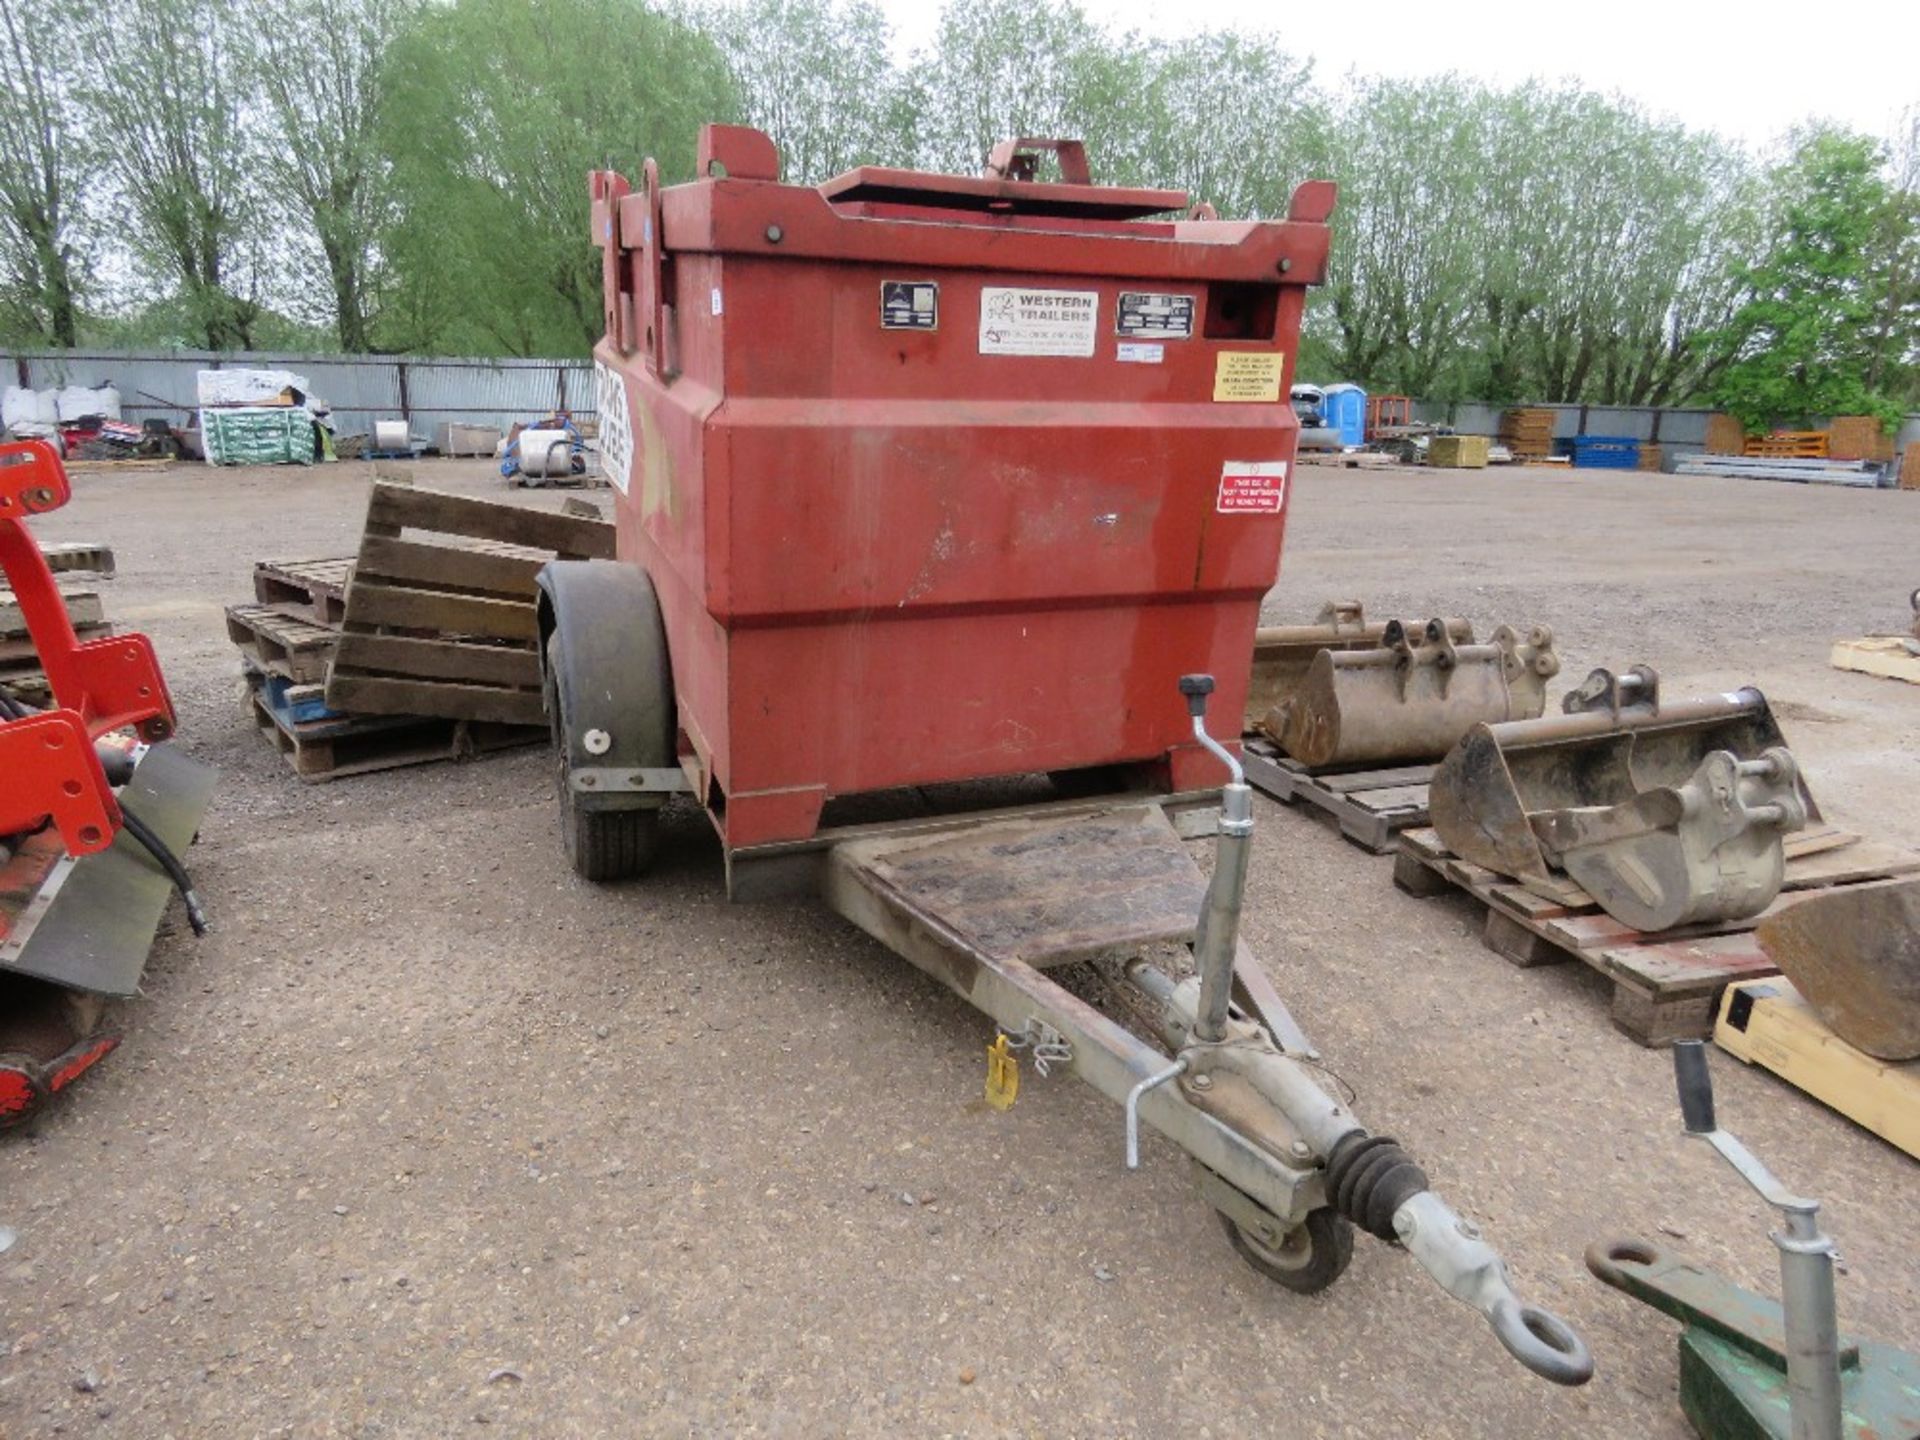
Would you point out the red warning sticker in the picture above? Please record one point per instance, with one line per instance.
(1250, 487)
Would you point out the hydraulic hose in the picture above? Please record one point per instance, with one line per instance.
(168, 861)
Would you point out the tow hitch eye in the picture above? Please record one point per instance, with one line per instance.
(1368, 1179)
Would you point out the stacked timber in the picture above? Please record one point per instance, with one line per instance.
(1859, 437)
(1725, 436)
(1458, 452)
(1527, 433)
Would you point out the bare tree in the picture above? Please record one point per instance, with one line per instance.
(813, 74)
(43, 167)
(167, 97)
(315, 64)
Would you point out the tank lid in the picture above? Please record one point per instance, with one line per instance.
(877, 184)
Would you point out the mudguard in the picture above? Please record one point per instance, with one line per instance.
(604, 650)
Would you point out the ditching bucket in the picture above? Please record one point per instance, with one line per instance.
(1666, 814)
(1282, 654)
(1854, 952)
(1411, 697)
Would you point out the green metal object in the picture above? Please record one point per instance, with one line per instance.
(1733, 1353)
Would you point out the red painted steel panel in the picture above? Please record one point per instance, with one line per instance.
(890, 551)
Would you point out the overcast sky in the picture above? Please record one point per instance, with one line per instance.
(1748, 70)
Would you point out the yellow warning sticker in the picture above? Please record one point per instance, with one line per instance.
(1247, 375)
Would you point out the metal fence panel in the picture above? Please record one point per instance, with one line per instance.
(429, 391)
(1679, 431)
(495, 392)
(360, 389)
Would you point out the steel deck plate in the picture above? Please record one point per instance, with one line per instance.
(1046, 891)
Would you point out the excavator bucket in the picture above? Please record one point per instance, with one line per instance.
(1282, 654)
(1665, 813)
(1411, 697)
(1854, 953)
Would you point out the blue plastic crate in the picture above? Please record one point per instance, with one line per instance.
(1602, 452)
(301, 711)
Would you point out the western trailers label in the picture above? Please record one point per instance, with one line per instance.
(1038, 322)
(1252, 487)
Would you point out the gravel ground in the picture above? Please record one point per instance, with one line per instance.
(429, 1136)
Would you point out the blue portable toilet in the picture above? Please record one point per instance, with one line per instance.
(1345, 409)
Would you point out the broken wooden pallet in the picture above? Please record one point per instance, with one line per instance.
(280, 644)
(1371, 807)
(1666, 986)
(1889, 656)
(313, 590)
(446, 625)
(330, 749)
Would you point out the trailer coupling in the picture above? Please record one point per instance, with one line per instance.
(1368, 1180)
(985, 904)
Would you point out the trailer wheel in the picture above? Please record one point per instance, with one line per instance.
(601, 844)
(1308, 1258)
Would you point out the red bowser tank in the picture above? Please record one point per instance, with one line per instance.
(938, 477)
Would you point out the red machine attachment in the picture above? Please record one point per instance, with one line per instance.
(98, 687)
(91, 818)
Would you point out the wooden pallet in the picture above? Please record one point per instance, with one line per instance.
(1884, 655)
(84, 609)
(1787, 445)
(323, 750)
(29, 683)
(444, 623)
(1769, 1023)
(279, 644)
(20, 668)
(1371, 807)
(1667, 985)
(313, 590)
(94, 559)
(17, 652)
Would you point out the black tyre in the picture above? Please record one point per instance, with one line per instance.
(601, 844)
(1306, 1259)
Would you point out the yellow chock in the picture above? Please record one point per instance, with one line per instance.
(1003, 1075)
